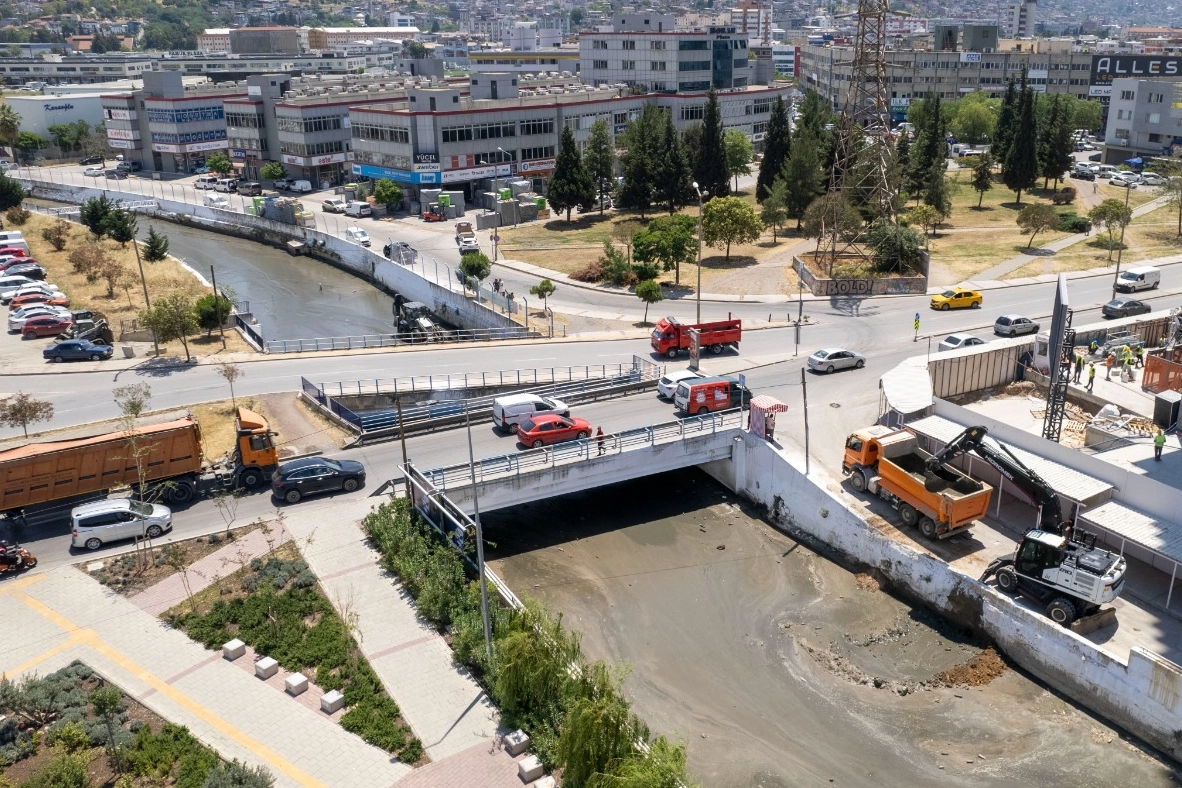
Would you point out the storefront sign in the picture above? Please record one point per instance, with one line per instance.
(161, 147)
(537, 165)
(122, 144)
(204, 146)
(237, 153)
(119, 114)
(1106, 68)
(476, 173)
(425, 168)
(315, 161)
(426, 158)
(400, 176)
(970, 57)
(123, 134)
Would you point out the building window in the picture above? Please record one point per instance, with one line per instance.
(628, 44)
(308, 125)
(759, 128)
(628, 65)
(657, 65)
(598, 44)
(479, 131)
(685, 46)
(761, 106)
(1156, 98)
(599, 64)
(694, 65)
(311, 149)
(1127, 95)
(544, 152)
(369, 131)
(529, 127)
(1155, 138)
(1154, 117)
(1124, 114)
(243, 120)
(693, 113)
(656, 45)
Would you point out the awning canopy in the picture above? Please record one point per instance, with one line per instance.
(1134, 162)
(768, 404)
(908, 387)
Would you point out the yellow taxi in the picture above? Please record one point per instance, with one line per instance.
(956, 299)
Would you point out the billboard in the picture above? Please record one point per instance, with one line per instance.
(1106, 68)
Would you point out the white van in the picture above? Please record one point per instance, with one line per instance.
(1106, 171)
(509, 411)
(1144, 277)
(303, 187)
(226, 185)
(16, 243)
(358, 208)
(206, 182)
(101, 522)
(10, 235)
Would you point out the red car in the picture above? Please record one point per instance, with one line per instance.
(39, 298)
(15, 251)
(540, 430)
(45, 326)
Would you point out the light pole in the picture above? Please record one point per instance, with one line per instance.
(479, 537)
(699, 191)
(1127, 218)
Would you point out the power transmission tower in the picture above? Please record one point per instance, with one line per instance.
(864, 153)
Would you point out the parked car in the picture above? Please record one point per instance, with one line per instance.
(77, 350)
(226, 185)
(90, 160)
(250, 189)
(129, 166)
(94, 172)
(1084, 175)
(18, 317)
(357, 235)
(667, 385)
(45, 326)
(30, 270)
(542, 430)
(956, 299)
(217, 201)
(14, 251)
(283, 184)
(357, 209)
(1095, 157)
(958, 341)
(15, 281)
(302, 187)
(116, 175)
(310, 475)
(335, 205)
(833, 359)
(102, 522)
(1125, 307)
(1126, 179)
(399, 250)
(32, 287)
(1014, 325)
(39, 298)
(1152, 179)
(206, 182)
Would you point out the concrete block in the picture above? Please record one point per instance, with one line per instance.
(296, 684)
(332, 702)
(529, 768)
(517, 742)
(265, 668)
(233, 649)
(545, 782)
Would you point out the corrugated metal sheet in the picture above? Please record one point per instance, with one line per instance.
(979, 367)
(1161, 536)
(1068, 482)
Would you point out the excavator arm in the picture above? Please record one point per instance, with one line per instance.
(1009, 466)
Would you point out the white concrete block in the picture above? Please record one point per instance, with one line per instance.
(265, 668)
(517, 742)
(529, 768)
(233, 649)
(295, 684)
(332, 702)
(545, 782)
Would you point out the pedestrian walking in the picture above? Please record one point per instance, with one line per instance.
(1108, 362)
(1159, 441)
(1095, 186)
(1092, 375)
(1139, 354)
(1079, 362)
(599, 440)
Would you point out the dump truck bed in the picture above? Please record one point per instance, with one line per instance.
(902, 472)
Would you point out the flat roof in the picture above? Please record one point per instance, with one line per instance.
(1161, 536)
(1068, 482)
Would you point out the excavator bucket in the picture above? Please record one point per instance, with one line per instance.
(1106, 617)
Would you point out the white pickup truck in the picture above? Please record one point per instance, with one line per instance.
(466, 238)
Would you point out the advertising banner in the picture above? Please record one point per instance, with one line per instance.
(1106, 68)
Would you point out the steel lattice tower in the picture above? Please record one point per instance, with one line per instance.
(864, 153)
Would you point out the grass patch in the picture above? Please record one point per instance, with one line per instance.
(274, 606)
(218, 436)
(968, 254)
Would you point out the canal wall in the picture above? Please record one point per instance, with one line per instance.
(1141, 694)
(452, 306)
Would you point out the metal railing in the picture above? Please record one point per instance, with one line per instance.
(582, 450)
(442, 336)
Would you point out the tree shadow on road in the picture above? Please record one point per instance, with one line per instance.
(163, 367)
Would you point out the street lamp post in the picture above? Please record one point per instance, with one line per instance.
(699, 191)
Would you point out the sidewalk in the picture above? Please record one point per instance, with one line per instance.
(444, 705)
(64, 615)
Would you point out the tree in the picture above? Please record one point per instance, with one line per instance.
(388, 193)
(475, 265)
(64, 136)
(230, 372)
(710, 172)
(211, 311)
(156, 246)
(974, 122)
(930, 145)
(113, 273)
(802, 177)
(172, 317)
(28, 143)
(272, 171)
(669, 241)
(57, 234)
(1172, 188)
(895, 249)
(1055, 139)
(598, 731)
(650, 293)
(1037, 218)
(623, 232)
(107, 702)
(982, 177)
(1086, 115)
(738, 154)
(600, 159)
(777, 144)
(10, 124)
(727, 220)
(691, 143)
(415, 50)
(673, 171)
(543, 290)
(926, 217)
(1112, 215)
(11, 192)
(815, 115)
(93, 214)
(570, 185)
(639, 162)
(774, 210)
(1007, 117)
(1020, 171)
(219, 163)
(935, 192)
(21, 410)
(120, 226)
(662, 766)
(616, 268)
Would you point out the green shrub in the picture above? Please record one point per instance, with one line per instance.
(1072, 223)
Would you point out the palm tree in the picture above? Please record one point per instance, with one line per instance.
(10, 124)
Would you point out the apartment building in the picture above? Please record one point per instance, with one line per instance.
(648, 52)
(1023, 18)
(1144, 119)
(335, 37)
(84, 69)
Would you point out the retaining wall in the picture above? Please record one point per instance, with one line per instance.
(878, 285)
(450, 305)
(1140, 694)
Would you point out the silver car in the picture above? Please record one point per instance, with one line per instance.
(833, 359)
(667, 385)
(958, 341)
(1014, 325)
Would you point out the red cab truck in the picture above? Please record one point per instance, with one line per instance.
(670, 336)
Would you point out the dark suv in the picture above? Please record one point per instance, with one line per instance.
(310, 475)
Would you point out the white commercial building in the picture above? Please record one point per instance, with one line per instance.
(38, 113)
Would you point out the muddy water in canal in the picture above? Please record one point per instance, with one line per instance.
(778, 667)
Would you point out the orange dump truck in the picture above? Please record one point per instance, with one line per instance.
(171, 460)
(941, 500)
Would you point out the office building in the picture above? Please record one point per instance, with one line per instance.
(39, 112)
(266, 41)
(1144, 119)
(785, 58)
(1023, 17)
(86, 69)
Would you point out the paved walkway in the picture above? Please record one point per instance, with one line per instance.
(442, 703)
(64, 614)
(171, 591)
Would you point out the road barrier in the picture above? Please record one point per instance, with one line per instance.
(394, 340)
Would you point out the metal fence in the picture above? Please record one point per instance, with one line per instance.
(393, 340)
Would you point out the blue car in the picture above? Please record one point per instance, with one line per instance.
(77, 350)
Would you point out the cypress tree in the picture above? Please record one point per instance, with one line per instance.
(673, 178)
(1057, 157)
(639, 162)
(570, 185)
(1021, 168)
(711, 171)
(1004, 132)
(777, 146)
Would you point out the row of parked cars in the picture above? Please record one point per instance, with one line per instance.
(1091, 171)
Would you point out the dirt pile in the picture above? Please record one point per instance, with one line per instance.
(977, 672)
(870, 581)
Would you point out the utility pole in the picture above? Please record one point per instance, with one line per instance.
(804, 390)
(402, 435)
(217, 306)
(699, 191)
(479, 537)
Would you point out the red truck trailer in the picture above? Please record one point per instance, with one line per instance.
(670, 336)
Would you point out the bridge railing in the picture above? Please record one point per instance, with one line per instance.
(508, 465)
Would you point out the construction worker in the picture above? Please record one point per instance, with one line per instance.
(1079, 362)
(1108, 362)
(1159, 441)
(1093, 348)
(1092, 374)
(1139, 353)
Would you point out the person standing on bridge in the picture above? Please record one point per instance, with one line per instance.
(599, 440)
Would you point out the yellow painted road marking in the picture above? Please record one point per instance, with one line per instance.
(11, 586)
(74, 639)
(91, 638)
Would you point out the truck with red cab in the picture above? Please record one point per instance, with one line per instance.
(670, 336)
